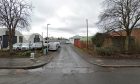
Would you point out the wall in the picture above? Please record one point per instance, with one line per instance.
(135, 33)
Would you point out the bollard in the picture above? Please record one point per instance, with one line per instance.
(45, 51)
(32, 56)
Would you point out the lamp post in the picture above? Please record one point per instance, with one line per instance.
(87, 32)
(47, 37)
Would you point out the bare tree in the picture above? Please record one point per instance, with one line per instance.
(121, 15)
(14, 14)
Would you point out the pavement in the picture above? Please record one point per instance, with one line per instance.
(106, 62)
(24, 63)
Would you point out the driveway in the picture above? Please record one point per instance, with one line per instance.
(69, 68)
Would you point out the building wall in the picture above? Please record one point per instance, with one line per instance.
(4, 37)
(135, 33)
(72, 41)
(77, 42)
(107, 42)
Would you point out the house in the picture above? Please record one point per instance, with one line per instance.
(117, 39)
(18, 38)
(135, 33)
(114, 41)
(81, 41)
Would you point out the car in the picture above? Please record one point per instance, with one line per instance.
(68, 42)
(17, 46)
(26, 46)
(58, 43)
(54, 45)
(37, 45)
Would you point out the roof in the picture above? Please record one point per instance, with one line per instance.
(123, 33)
(85, 38)
(30, 35)
(3, 30)
(76, 37)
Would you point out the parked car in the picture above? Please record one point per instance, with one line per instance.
(54, 45)
(26, 46)
(37, 45)
(58, 43)
(68, 42)
(17, 46)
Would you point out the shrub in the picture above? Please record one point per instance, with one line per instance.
(98, 39)
(19, 54)
(106, 51)
(27, 53)
(24, 54)
(4, 53)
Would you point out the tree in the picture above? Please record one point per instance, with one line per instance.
(121, 15)
(98, 39)
(14, 14)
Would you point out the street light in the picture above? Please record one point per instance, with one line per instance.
(47, 36)
(87, 32)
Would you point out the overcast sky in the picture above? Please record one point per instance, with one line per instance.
(66, 17)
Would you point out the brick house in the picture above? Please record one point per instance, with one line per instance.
(117, 39)
(135, 34)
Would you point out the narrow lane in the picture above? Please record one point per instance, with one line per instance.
(69, 68)
(68, 61)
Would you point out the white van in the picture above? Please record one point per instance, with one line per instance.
(17, 46)
(54, 45)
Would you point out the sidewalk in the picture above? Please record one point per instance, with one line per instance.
(104, 62)
(24, 63)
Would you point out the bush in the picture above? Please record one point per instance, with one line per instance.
(25, 53)
(98, 39)
(106, 51)
(19, 54)
(4, 53)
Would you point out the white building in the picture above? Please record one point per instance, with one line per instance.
(33, 38)
(18, 38)
(74, 37)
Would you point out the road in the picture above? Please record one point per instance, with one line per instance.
(69, 68)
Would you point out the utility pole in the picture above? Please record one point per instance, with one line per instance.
(42, 41)
(87, 32)
(47, 37)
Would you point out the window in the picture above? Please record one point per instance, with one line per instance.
(36, 39)
(7, 33)
(20, 39)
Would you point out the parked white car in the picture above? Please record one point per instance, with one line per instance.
(54, 45)
(58, 43)
(26, 46)
(68, 42)
(36, 45)
(17, 46)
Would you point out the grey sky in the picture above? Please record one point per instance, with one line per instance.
(67, 17)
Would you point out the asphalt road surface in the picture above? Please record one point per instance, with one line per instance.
(69, 68)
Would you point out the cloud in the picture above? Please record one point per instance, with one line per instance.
(65, 16)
